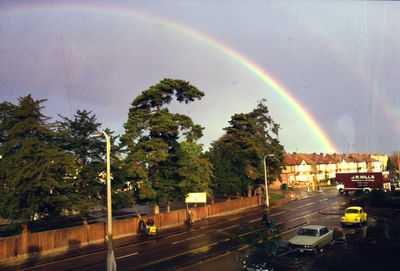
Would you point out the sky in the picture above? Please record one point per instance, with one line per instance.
(329, 70)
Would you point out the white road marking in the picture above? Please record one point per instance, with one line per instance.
(304, 216)
(227, 228)
(279, 213)
(251, 221)
(121, 257)
(322, 200)
(308, 204)
(191, 238)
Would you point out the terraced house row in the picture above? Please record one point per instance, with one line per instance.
(302, 168)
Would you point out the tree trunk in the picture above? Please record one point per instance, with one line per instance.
(134, 208)
(156, 209)
(249, 191)
(168, 206)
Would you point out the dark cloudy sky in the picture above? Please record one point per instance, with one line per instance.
(340, 60)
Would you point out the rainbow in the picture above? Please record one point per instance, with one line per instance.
(323, 139)
(348, 63)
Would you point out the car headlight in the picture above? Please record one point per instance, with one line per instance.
(343, 219)
(357, 219)
(307, 246)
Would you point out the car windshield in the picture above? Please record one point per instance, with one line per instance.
(352, 211)
(308, 232)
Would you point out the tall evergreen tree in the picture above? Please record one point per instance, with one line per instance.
(35, 173)
(194, 170)
(90, 155)
(89, 152)
(252, 136)
(151, 139)
(225, 158)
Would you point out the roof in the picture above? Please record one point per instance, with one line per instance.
(293, 159)
(354, 207)
(313, 227)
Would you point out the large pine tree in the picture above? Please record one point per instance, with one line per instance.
(89, 152)
(241, 151)
(151, 140)
(35, 173)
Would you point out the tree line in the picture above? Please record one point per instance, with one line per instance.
(56, 168)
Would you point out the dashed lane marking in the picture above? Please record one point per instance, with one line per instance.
(279, 213)
(308, 204)
(188, 239)
(227, 228)
(304, 216)
(132, 254)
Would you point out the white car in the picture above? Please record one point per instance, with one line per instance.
(312, 238)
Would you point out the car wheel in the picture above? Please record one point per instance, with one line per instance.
(316, 250)
(343, 225)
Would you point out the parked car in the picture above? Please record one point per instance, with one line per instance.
(354, 215)
(312, 238)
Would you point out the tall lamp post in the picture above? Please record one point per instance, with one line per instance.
(111, 264)
(266, 179)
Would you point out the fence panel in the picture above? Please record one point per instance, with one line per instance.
(10, 247)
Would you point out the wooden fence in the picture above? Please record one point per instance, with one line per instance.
(74, 237)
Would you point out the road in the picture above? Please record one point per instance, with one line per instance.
(200, 247)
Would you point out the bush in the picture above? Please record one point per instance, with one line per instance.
(10, 229)
(276, 196)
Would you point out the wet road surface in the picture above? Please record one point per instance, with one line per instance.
(206, 245)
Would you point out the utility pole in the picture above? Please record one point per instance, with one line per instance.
(111, 264)
(266, 180)
(398, 162)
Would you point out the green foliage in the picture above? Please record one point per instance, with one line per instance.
(241, 151)
(390, 166)
(263, 249)
(157, 163)
(34, 170)
(226, 167)
(194, 171)
(76, 138)
(90, 157)
(276, 196)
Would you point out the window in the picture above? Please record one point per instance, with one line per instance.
(308, 232)
(352, 211)
(323, 231)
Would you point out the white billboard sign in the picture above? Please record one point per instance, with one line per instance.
(196, 198)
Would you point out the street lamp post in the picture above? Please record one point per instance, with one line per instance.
(266, 179)
(111, 264)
